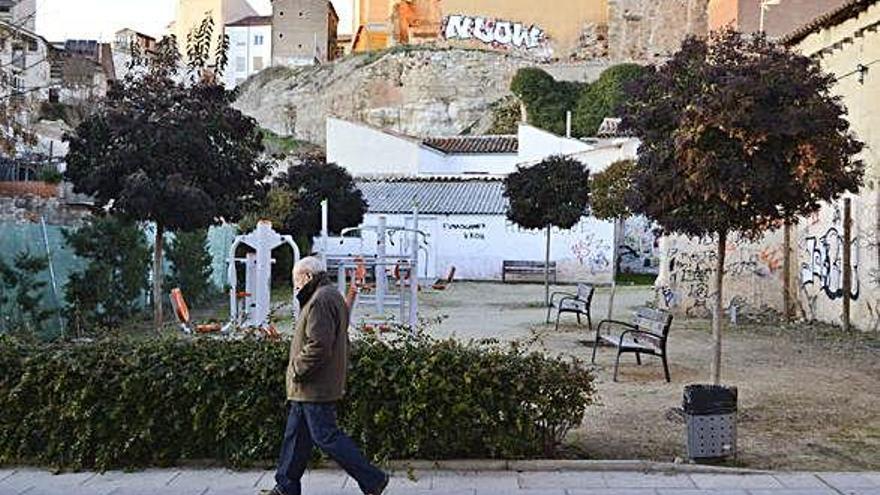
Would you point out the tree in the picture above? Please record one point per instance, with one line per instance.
(191, 265)
(169, 148)
(22, 294)
(553, 193)
(311, 182)
(608, 199)
(546, 99)
(107, 291)
(739, 134)
(602, 99)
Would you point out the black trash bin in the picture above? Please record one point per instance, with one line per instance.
(710, 411)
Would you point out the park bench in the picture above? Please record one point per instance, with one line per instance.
(522, 267)
(646, 334)
(578, 303)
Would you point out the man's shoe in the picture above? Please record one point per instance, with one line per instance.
(273, 491)
(383, 486)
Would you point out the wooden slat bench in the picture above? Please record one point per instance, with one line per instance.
(522, 267)
(577, 303)
(646, 334)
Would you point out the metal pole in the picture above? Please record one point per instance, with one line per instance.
(847, 261)
(325, 229)
(414, 272)
(52, 275)
(380, 267)
(761, 22)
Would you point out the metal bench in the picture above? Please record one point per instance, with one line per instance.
(646, 334)
(578, 303)
(522, 267)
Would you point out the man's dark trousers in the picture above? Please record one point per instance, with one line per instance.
(314, 423)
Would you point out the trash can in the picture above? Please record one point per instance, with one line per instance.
(710, 412)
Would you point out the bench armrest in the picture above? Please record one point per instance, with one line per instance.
(615, 322)
(554, 294)
(652, 335)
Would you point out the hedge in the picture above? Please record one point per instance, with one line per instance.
(129, 404)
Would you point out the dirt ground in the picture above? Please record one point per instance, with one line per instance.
(809, 397)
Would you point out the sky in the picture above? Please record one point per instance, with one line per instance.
(58, 20)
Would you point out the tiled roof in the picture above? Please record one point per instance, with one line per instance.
(435, 197)
(833, 17)
(256, 20)
(474, 144)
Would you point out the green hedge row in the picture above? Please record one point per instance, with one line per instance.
(128, 404)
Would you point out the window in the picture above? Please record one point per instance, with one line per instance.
(240, 64)
(32, 45)
(258, 63)
(258, 40)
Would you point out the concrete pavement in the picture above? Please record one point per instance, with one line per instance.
(329, 482)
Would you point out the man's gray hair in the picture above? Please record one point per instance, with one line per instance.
(310, 264)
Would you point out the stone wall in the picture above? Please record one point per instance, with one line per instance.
(419, 92)
(648, 30)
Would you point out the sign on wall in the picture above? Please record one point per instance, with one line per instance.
(495, 32)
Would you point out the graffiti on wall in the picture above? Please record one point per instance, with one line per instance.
(592, 253)
(495, 32)
(469, 231)
(690, 275)
(823, 267)
(639, 251)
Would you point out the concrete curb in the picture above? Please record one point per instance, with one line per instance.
(566, 465)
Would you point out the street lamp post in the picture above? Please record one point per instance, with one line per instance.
(765, 6)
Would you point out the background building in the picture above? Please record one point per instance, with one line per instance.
(22, 13)
(303, 31)
(124, 39)
(250, 48)
(779, 19)
(191, 13)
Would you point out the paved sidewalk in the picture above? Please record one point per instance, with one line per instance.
(223, 482)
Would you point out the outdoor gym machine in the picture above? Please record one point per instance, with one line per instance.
(251, 308)
(403, 265)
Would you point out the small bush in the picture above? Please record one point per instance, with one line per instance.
(107, 290)
(191, 267)
(133, 404)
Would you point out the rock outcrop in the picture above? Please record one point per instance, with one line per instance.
(414, 91)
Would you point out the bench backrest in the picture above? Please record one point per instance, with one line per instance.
(657, 321)
(530, 265)
(585, 292)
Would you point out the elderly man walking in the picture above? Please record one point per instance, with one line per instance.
(315, 382)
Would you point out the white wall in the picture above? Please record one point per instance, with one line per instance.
(246, 57)
(363, 150)
(478, 244)
(536, 144)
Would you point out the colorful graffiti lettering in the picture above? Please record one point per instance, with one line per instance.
(591, 253)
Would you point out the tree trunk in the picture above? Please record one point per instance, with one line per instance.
(718, 313)
(547, 270)
(157, 277)
(786, 272)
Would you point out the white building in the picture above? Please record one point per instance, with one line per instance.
(24, 58)
(466, 226)
(457, 183)
(250, 48)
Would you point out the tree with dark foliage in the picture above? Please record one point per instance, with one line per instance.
(309, 183)
(553, 193)
(739, 135)
(169, 149)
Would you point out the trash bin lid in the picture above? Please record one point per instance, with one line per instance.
(702, 400)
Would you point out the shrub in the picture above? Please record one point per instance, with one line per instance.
(22, 306)
(107, 291)
(131, 404)
(547, 100)
(602, 98)
(191, 265)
